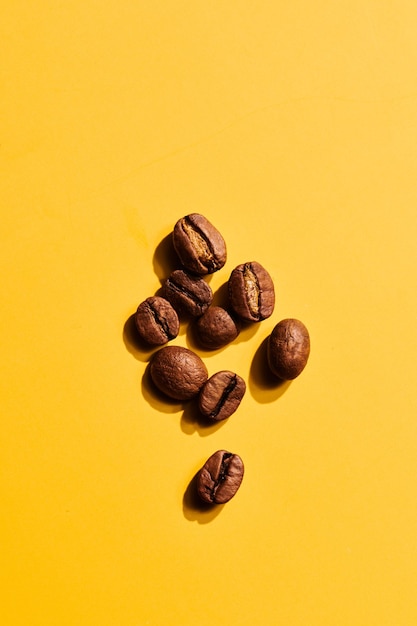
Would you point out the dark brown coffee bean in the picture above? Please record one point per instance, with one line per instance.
(288, 349)
(251, 292)
(178, 372)
(188, 294)
(220, 477)
(156, 321)
(216, 328)
(199, 245)
(221, 395)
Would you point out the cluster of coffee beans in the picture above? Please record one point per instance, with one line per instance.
(180, 373)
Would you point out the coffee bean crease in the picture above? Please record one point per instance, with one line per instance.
(160, 320)
(225, 395)
(200, 242)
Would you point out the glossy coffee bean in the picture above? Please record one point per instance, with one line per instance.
(221, 395)
(189, 294)
(199, 245)
(178, 372)
(251, 292)
(220, 477)
(156, 321)
(288, 349)
(216, 328)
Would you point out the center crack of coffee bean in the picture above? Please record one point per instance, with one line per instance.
(252, 289)
(222, 472)
(160, 321)
(226, 392)
(201, 244)
(181, 289)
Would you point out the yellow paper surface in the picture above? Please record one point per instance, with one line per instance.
(292, 126)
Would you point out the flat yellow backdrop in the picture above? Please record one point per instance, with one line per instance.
(292, 126)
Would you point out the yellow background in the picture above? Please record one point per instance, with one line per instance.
(292, 125)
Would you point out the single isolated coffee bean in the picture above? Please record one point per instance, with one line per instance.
(199, 245)
(251, 292)
(221, 395)
(189, 294)
(220, 477)
(216, 328)
(288, 349)
(156, 321)
(178, 372)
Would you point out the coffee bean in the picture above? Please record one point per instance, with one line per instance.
(178, 372)
(216, 328)
(251, 292)
(221, 395)
(188, 294)
(199, 245)
(288, 349)
(220, 477)
(156, 321)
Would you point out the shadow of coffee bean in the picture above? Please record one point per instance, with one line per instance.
(194, 508)
(247, 331)
(165, 259)
(220, 296)
(263, 385)
(193, 422)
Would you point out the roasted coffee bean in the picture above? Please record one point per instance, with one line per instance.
(156, 321)
(251, 292)
(216, 328)
(178, 372)
(199, 245)
(221, 395)
(188, 294)
(220, 477)
(288, 349)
